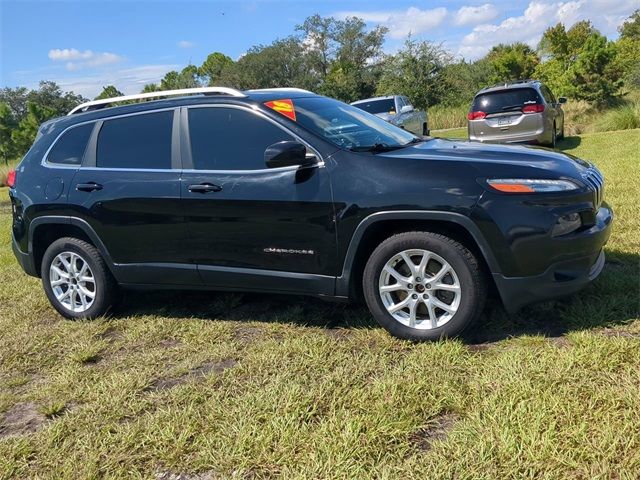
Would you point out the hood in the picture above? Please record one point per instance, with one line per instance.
(490, 159)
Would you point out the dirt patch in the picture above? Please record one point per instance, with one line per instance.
(247, 334)
(337, 333)
(196, 373)
(185, 476)
(111, 335)
(438, 430)
(479, 347)
(170, 343)
(620, 333)
(21, 419)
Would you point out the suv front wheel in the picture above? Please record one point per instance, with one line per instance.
(76, 280)
(423, 286)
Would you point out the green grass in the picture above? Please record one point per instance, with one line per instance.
(248, 386)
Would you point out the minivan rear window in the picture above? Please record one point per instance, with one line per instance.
(138, 141)
(386, 105)
(505, 100)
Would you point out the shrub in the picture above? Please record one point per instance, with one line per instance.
(448, 117)
(622, 118)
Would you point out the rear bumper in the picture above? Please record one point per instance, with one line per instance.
(536, 138)
(25, 260)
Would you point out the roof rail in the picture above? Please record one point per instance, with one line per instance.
(105, 102)
(279, 89)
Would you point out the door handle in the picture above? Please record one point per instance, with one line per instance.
(88, 187)
(204, 188)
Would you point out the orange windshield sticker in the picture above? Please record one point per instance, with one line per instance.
(285, 107)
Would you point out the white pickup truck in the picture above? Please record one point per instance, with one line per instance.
(396, 109)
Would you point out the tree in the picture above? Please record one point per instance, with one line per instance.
(595, 76)
(109, 92)
(319, 42)
(213, 68)
(512, 62)
(186, 78)
(24, 135)
(630, 28)
(7, 125)
(416, 71)
(48, 95)
(463, 80)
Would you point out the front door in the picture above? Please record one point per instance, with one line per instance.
(249, 226)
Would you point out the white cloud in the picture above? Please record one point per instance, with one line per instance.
(475, 15)
(186, 44)
(402, 22)
(77, 60)
(606, 15)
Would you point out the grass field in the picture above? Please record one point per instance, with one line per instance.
(212, 385)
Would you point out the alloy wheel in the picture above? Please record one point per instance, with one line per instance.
(72, 282)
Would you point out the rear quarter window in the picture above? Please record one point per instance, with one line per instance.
(505, 100)
(70, 147)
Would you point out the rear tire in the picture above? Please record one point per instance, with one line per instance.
(553, 137)
(425, 130)
(76, 279)
(426, 301)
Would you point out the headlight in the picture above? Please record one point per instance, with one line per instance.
(567, 224)
(529, 185)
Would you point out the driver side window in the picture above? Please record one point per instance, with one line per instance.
(224, 138)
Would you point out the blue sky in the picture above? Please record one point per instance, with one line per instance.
(84, 45)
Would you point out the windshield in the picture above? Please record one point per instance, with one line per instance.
(505, 100)
(378, 106)
(349, 127)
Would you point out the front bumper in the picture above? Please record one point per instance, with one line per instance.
(569, 272)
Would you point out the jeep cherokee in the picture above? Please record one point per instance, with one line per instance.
(285, 191)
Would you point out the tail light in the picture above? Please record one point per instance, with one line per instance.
(11, 178)
(537, 108)
(476, 115)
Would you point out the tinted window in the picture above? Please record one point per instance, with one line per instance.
(139, 141)
(69, 149)
(505, 100)
(548, 96)
(230, 139)
(378, 106)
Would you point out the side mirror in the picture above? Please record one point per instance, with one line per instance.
(286, 154)
(562, 100)
(406, 109)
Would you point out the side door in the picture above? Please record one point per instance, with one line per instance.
(552, 105)
(249, 226)
(128, 191)
(415, 123)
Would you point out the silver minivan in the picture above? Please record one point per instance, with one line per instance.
(518, 112)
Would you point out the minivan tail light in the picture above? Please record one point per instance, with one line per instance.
(537, 108)
(476, 115)
(11, 178)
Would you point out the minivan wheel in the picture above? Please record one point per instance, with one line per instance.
(76, 280)
(554, 137)
(423, 286)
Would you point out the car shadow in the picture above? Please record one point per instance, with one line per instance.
(568, 143)
(613, 299)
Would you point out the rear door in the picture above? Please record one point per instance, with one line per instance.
(249, 226)
(128, 191)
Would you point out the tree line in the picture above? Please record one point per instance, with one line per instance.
(344, 59)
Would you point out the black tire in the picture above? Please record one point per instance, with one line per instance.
(554, 137)
(473, 285)
(425, 130)
(105, 286)
(561, 136)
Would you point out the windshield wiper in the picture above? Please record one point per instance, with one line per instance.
(414, 141)
(376, 148)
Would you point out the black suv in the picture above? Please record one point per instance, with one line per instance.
(285, 191)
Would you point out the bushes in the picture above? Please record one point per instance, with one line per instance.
(448, 117)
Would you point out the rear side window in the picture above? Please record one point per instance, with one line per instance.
(505, 100)
(70, 147)
(230, 139)
(138, 141)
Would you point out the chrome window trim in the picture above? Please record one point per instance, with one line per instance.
(319, 164)
(45, 163)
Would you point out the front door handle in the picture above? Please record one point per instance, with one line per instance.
(88, 187)
(204, 188)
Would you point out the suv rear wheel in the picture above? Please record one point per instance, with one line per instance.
(76, 279)
(423, 286)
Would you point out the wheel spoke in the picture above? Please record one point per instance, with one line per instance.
(441, 273)
(432, 314)
(395, 274)
(423, 264)
(446, 286)
(399, 306)
(59, 272)
(413, 309)
(447, 308)
(86, 293)
(407, 259)
(58, 282)
(391, 288)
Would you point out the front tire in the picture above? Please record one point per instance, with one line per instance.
(423, 286)
(76, 279)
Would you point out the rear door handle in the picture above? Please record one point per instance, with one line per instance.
(88, 187)
(204, 188)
